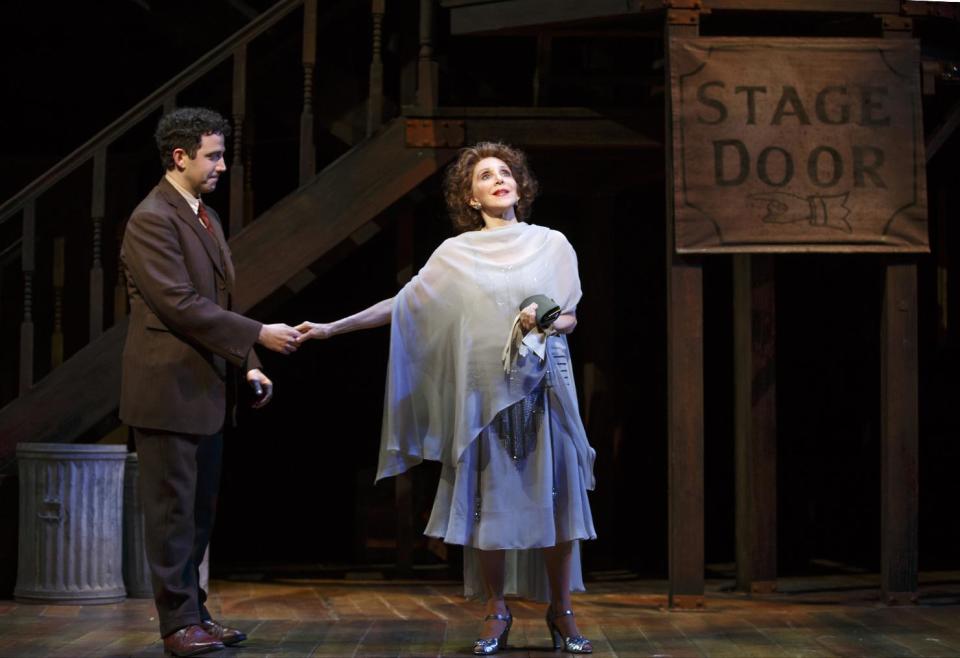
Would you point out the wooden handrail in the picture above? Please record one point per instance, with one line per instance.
(151, 103)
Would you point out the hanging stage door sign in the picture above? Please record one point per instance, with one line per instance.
(797, 145)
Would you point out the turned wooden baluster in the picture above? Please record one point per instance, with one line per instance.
(307, 156)
(120, 290)
(56, 339)
(237, 179)
(375, 98)
(97, 212)
(427, 68)
(26, 327)
(248, 171)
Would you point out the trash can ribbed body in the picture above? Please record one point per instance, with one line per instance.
(71, 523)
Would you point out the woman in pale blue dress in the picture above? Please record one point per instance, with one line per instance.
(475, 383)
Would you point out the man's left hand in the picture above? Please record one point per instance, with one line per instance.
(256, 376)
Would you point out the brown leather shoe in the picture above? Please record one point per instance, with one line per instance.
(190, 641)
(216, 630)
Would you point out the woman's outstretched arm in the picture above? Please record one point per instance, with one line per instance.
(374, 316)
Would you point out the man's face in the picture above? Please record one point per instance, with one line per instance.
(200, 173)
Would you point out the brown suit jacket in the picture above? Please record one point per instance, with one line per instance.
(182, 332)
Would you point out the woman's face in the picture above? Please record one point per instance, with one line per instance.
(494, 187)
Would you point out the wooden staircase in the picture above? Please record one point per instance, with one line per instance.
(78, 398)
(303, 227)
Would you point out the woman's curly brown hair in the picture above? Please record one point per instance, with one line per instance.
(458, 183)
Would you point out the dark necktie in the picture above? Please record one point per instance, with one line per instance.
(205, 220)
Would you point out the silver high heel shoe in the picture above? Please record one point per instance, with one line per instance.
(575, 644)
(486, 646)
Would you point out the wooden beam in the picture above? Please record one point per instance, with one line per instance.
(899, 428)
(599, 133)
(473, 18)
(755, 422)
(546, 127)
(684, 393)
(843, 6)
(485, 16)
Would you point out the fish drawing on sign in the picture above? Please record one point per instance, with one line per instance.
(816, 209)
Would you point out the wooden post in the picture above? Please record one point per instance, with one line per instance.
(97, 213)
(120, 290)
(943, 266)
(427, 83)
(56, 338)
(308, 165)
(899, 431)
(541, 77)
(375, 98)
(755, 422)
(27, 265)
(251, 139)
(899, 410)
(684, 380)
(237, 179)
(404, 481)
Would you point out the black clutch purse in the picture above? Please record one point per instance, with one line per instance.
(547, 309)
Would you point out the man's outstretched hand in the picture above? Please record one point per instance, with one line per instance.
(279, 338)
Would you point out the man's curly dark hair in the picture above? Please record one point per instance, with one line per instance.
(458, 183)
(183, 128)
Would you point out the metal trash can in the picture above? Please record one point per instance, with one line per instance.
(71, 523)
(136, 570)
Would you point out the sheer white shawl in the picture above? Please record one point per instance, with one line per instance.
(445, 380)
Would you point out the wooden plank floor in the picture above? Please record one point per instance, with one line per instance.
(298, 617)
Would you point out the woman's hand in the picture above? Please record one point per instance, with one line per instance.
(310, 330)
(528, 317)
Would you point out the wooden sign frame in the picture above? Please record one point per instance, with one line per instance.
(797, 145)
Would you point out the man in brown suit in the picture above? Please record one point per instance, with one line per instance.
(183, 341)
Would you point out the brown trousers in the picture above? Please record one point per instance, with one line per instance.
(179, 480)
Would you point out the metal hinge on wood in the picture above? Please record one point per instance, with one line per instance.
(435, 133)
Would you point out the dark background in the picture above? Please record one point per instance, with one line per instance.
(297, 489)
